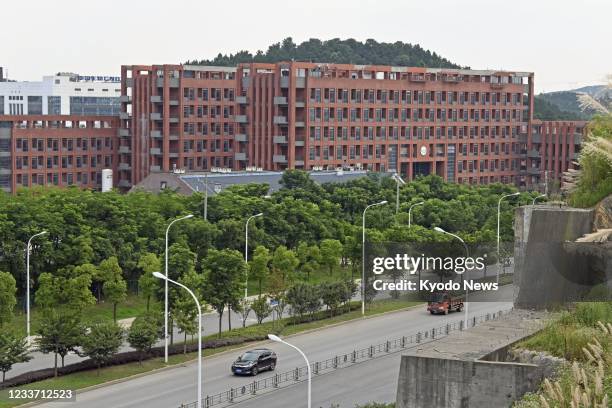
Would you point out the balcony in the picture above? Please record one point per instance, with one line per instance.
(129, 81)
(124, 115)
(156, 134)
(536, 138)
(497, 85)
(280, 120)
(124, 183)
(173, 119)
(156, 99)
(155, 169)
(125, 149)
(155, 151)
(125, 98)
(300, 104)
(300, 82)
(242, 100)
(533, 154)
(522, 138)
(240, 156)
(577, 138)
(417, 78)
(279, 158)
(284, 82)
(241, 137)
(124, 132)
(299, 163)
(124, 166)
(173, 154)
(173, 102)
(533, 171)
(299, 143)
(280, 139)
(280, 100)
(156, 116)
(241, 119)
(172, 82)
(299, 124)
(173, 136)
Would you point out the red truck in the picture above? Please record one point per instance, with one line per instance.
(442, 302)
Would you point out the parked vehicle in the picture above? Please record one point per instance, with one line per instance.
(443, 302)
(254, 361)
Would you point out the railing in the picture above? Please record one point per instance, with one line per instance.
(299, 374)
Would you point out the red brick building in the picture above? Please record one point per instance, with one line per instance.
(46, 150)
(467, 126)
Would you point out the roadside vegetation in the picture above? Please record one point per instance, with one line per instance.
(584, 338)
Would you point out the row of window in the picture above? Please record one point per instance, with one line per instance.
(80, 178)
(65, 162)
(67, 144)
(407, 114)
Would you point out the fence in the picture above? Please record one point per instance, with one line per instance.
(299, 374)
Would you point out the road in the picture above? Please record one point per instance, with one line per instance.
(366, 381)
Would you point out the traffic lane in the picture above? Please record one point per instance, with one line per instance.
(370, 381)
(171, 388)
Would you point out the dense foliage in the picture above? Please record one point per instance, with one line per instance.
(90, 228)
(545, 108)
(339, 51)
(595, 177)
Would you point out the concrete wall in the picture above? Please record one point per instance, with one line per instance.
(452, 383)
(547, 272)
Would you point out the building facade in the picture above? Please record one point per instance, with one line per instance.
(57, 150)
(466, 126)
(61, 94)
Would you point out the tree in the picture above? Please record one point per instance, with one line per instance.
(48, 292)
(108, 270)
(115, 291)
(59, 333)
(261, 308)
(332, 295)
(13, 350)
(302, 297)
(147, 283)
(331, 252)
(8, 289)
(224, 273)
(102, 342)
(258, 267)
(285, 261)
(310, 257)
(243, 307)
(143, 333)
(184, 308)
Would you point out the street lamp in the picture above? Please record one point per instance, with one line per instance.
(498, 217)
(363, 255)
(29, 247)
(540, 196)
(467, 254)
(279, 340)
(166, 280)
(166, 289)
(398, 182)
(410, 212)
(246, 251)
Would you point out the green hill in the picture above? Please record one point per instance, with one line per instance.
(338, 51)
(546, 108)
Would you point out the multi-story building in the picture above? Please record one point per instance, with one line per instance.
(50, 150)
(464, 125)
(61, 94)
(552, 149)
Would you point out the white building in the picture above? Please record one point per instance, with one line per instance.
(61, 94)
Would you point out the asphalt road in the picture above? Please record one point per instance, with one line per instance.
(375, 379)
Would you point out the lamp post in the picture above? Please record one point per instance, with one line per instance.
(410, 212)
(363, 254)
(29, 247)
(166, 280)
(498, 218)
(398, 182)
(166, 289)
(279, 340)
(467, 254)
(540, 196)
(246, 251)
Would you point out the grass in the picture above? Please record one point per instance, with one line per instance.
(580, 338)
(133, 306)
(284, 327)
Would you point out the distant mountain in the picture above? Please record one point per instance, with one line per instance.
(577, 104)
(338, 51)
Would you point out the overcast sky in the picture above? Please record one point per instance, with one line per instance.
(567, 43)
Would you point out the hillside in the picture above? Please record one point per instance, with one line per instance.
(347, 51)
(582, 103)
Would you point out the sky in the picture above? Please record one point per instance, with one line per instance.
(567, 43)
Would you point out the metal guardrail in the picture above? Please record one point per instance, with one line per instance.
(299, 374)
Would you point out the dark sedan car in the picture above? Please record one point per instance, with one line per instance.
(254, 361)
